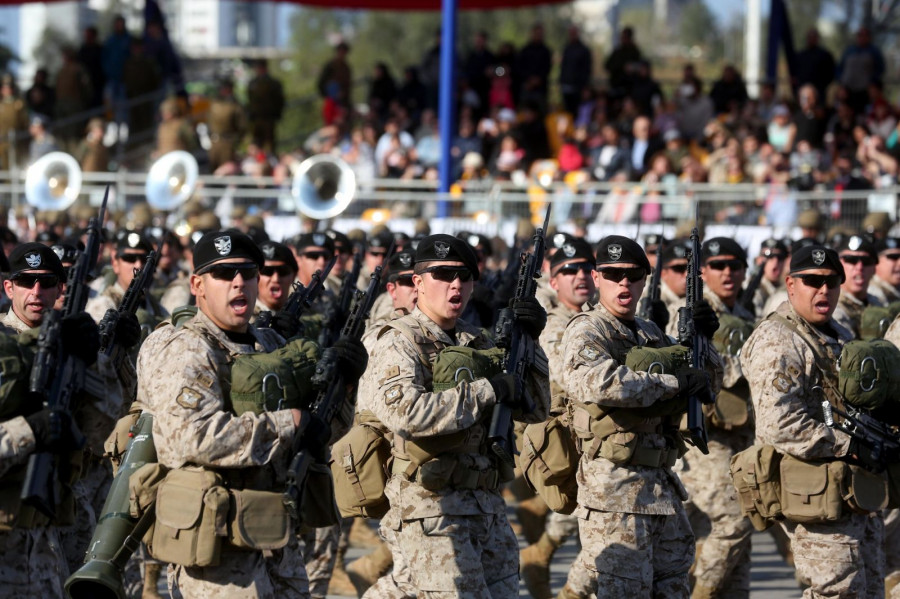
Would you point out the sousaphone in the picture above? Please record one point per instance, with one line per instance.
(171, 180)
(323, 186)
(53, 182)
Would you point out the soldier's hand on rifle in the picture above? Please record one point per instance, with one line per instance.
(705, 320)
(352, 358)
(80, 337)
(530, 315)
(694, 382)
(860, 453)
(659, 313)
(315, 437)
(128, 330)
(53, 431)
(286, 324)
(508, 390)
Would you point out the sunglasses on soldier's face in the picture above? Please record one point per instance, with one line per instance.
(816, 281)
(402, 280)
(447, 274)
(132, 258)
(853, 260)
(574, 269)
(617, 274)
(227, 272)
(679, 268)
(732, 265)
(316, 255)
(46, 281)
(282, 270)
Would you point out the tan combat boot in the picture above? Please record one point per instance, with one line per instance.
(567, 593)
(151, 581)
(532, 514)
(890, 583)
(534, 562)
(366, 571)
(340, 583)
(362, 536)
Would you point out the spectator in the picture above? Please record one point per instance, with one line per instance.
(428, 147)
(359, 153)
(465, 143)
(91, 154)
(620, 62)
(142, 83)
(430, 72)
(335, 81)
(90, 55)
(42, 142)
(386, 141)
(642, 147)
(115, 52)
(13, 124)
(227, 125)
(575, 71)
(809, 120)
(815, 66)
(675, 148)
(411, 95)
(779, 128)
(766, 102)
(73, 95)
(509, 158)
(501, 93)
(159, 49)
(265, 104)
(479, 67)
(879, 167)
(839, 131)
(861, 64)
(428, 124)
(695, 109)
(881, 120)
(40, 97)
(645, 91)
(532, 131)
(382, 91)
(728, 91)
(533, 68)
(174, 131)
(609, 158)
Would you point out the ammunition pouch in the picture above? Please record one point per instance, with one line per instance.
(616, 436)
(756, 475)
(731, 409)
(192, 508)
(657, 360)
(460, 363)
(447, 471)
(549, 463)
(874, 322)
(317, 503)
(865, 491)
(15, 370)
(869, 373)
(733, 331)
(117, 442)
(258, 520)
(811, 492)
(274, 381)
(360, 466)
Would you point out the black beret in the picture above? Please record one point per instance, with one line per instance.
(803, 242)
(382, 240)
(654, 239)
(722, 246)
(447, 248)
(339, 238)
(811, 257)
(222, 245)
(773, 246)
(856, 243)
(475, 240)
(47, 236)
(887, 243)
(677, 250)
(278, 252)
(615, 249)
(34, 256)
(560, 239)
(257, 234)
(132, 240)
(314, 240)
(66, 252)
(577, 249)
(414, 242)
(400, 261)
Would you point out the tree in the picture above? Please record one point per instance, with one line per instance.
(699, 28)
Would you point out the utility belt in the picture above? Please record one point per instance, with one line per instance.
(774, 486)
(447, 471)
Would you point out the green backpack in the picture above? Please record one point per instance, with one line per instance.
(869, 373)
(731, 334)
(874, 322)
(458, 363)
(278, 380)
(15, 371)
(658, 360)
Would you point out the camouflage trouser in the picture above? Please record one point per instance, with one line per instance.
(395, 584)
(632, 555)
(840, 559)
(245, 575)
(561, 526)
(90, 493)
(892, 550)
(452, 556)
(320, 551)
(32, 563)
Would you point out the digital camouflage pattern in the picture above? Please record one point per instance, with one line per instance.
(883, 291)
(16, 443)
(32, 563)
(551, 343)
(849, 311)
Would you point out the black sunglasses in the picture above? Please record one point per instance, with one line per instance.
(27, 281)
(574, 269)
(723, 264)
(776, 255)
(448, 274)
(617, 274)
(853, 260)
(316, 255)
(679, 268)
(132, 258)
(282, 270)
(227, 272)
(403, 280)
(816, 281)
(377, 254)
(891, 256)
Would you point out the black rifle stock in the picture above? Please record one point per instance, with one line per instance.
(645, 311)
(880, 439)
(519, 347)
(338, 312)
(331, 396)
(58, 377)
(749, 291)
(699, 345)
(301, 297)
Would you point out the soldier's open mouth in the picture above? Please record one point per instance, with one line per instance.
(822, 307)
(624, 298)
(239, 305)
(455, 301)
(275, 292)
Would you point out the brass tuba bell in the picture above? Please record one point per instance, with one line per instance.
(53, 182)
(323, 186)
(171, 180)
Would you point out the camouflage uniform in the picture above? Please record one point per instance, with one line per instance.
(545, 295)
(722, 562)
(842, 558)
(776, 299)
(150, 313)
(455, 541)
(635, 535)
(883, 291)
(177, 294)
(849, 311)
(766, 290)
(892, 516)
(191, 426)
(672, 302)
(226, 128)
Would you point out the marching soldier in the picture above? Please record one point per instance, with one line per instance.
(400, 292)
(276, 277)
(448, 518)
(789, 361)
(885, 285)
(636, 540)
(227, 125)
(197, 433)
(571, 278)
(772, 258)
(265, 103)
(859, 257)
(377, 246)
(673, 282)
(343, 250)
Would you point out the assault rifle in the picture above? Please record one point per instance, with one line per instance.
(129, 305)
(337, 312)
(881, 440)
(699, 344)
(749, 291)
(331, 397)
(301, 297)
(519, 347)
(57, 376)
(645, 311)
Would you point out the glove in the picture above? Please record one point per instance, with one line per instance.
(54, 431)
(667, 407)
(659, 314)
(352, 358)
(286, 324)
(861, 454)
(80, 337)
(508, 390)
(315, 437)
(694, 382)
(705, 320)
(128, 330)
(530, 315)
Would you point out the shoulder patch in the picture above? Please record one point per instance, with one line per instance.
(391, 372)
(188, 398)
(589, 353)
(393, 394)
(205, 380)
(782, 382)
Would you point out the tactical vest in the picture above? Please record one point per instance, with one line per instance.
(731, 409)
